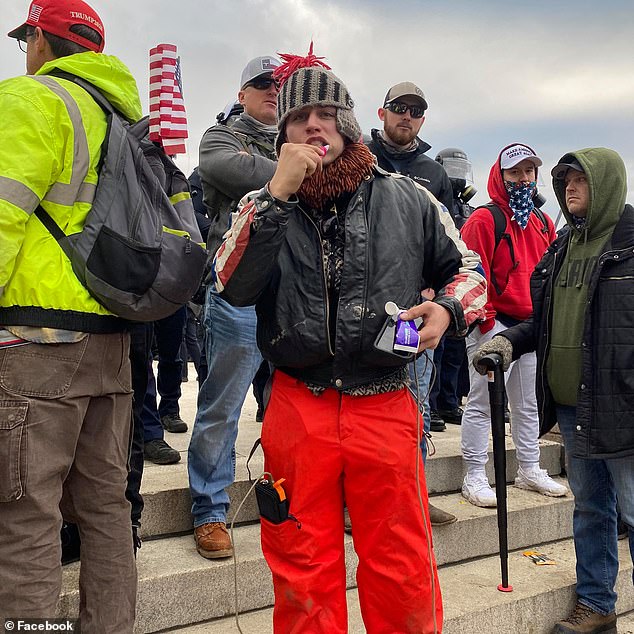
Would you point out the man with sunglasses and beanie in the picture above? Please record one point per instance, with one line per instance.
(398, 149)
(508, 265)
(320, 250)
(65, 387)
(234, 159)
(581, 329)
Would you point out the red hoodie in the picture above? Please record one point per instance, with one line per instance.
(529, 245)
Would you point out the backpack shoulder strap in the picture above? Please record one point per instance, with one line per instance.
(91, 89)
(244, 139)
(247, 140)
(499, 220)
(43, 216)
(540, 214)
(54, 229)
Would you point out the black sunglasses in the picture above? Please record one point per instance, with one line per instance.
(398, 107)
(262, 83)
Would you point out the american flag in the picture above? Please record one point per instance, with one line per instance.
(168, 120)
(34, 13)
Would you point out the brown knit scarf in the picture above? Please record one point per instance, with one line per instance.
(343, 175)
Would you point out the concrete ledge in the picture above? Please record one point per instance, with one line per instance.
(177, 586)
(542, 595)
(168, 503)
(166, 490)
(532, 519)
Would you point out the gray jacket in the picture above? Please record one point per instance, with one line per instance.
(235, 159)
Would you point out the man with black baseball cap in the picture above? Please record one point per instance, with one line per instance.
(581, 328)
(398, 149)
(65, 393)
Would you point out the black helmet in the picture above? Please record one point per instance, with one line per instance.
(460, 172)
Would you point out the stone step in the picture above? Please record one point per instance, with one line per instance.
(177, 586)
(165, 487)
(168, 502)
(541, 596)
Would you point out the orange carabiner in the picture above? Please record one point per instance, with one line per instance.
(280, 490)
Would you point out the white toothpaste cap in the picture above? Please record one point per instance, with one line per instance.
(392, 309)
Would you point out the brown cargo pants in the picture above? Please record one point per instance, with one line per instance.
(64, 437)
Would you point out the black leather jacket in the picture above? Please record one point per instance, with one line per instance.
(395, 237)
(605, 401)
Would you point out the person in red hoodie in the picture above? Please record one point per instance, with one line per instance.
(508, 265)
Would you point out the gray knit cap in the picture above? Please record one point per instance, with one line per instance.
(316, 86)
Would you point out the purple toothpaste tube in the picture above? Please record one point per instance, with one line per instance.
(406, 338)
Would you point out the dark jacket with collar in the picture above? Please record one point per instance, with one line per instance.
(395, 236)
(605, 395)
(419, 167)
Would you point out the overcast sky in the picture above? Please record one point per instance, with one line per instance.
(556, 74)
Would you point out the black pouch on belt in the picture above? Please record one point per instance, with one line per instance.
(272, 502)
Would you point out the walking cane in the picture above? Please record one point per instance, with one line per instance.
(493, 363)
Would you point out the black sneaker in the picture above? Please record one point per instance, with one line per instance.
(621, 529)
(159, 452)
(136, 539)
(347, 523)
(71, 543)
(173, 423)
(437, 423)
(451, 416)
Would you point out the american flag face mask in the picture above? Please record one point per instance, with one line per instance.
(521, 200)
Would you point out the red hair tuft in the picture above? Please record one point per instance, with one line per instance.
(295, 62)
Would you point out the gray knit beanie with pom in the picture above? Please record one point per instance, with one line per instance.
(316, 86)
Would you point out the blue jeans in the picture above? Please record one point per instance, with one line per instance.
(424, 367)
(596, 485)
(233, 359)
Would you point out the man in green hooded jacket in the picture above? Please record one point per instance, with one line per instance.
(581, 328)
(65, 388)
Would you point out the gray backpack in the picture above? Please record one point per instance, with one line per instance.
(139, 253)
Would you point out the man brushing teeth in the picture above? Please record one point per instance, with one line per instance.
(319, 251)
(316, 127)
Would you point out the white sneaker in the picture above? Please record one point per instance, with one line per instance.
(536, 479)
(476, 489)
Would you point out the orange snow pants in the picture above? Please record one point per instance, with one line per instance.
(361, 449)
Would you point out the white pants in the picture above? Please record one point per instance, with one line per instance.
(520, 389)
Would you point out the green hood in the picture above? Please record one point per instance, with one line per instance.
(605, 172)
(109, 74)
(607, 180)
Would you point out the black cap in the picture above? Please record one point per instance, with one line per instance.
(568, 162)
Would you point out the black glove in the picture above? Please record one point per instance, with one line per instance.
(500, 345)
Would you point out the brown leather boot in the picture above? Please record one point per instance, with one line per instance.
(584, 620)
(213, 540)
(438, 517)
